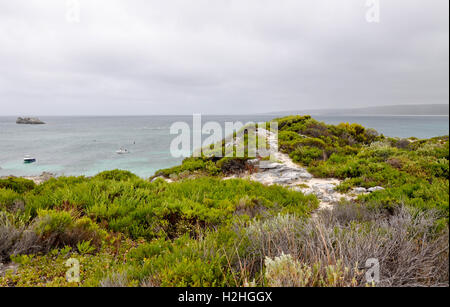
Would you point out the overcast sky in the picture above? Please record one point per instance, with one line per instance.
(219, 56)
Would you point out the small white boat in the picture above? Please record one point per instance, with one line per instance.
(28, 159)
(122, 151)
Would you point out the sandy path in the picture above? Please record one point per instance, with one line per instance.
(283, 171)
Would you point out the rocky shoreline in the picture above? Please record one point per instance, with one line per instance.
(36, 179)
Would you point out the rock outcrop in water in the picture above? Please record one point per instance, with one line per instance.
(29, 121)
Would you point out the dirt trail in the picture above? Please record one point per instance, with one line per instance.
(283, 171)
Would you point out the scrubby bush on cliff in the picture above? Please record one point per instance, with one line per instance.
(181, 263)
(139, 208)
(411, 250)
(117, 175)
(413, 172)
(51, 229)
(306, 154)
(340, 135)
(62, 228)
(286, 250)
(188, 165)
(308, 141)
(204, 167)
(10, 200)
(284, 271)
(18, 185)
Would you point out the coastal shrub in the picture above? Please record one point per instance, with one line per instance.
(9, 235)
(308, 141)
(18, 185)
(410, 248)
(380, 150)
(212, 169)
(115, 280)
(16, 238)
(204, 166)
(11, 200)
(421, 195)
(342, 134)
(305, 154)
(401, 143)
(284, 271)
(395, 163)
(288, 136)
(415, 175)
(61, 228)
(440, 168)
(290, 251)
(85, 247)
(293, 123)
(53, 222)
(139, 208)
(186, 261)
(191, 218)
(118, 175)
(188, 165)
(433, 148)
(181, 263)
(49, 270)
(232, 165)
(313, 142)
(288, 140)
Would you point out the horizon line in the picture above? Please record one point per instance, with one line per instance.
(206, 114)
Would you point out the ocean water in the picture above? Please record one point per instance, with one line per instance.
(87, 145)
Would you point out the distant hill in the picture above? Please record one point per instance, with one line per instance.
(422, 109)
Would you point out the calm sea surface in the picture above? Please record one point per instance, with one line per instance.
(87, 145)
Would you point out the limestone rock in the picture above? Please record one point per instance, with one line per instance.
(374, 189)
(265, 165)
(360, 190)
(29, 121)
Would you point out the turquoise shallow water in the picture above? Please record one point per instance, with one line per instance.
(87, 145)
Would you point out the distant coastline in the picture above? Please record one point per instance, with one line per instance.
(437, 110)
(388, 110)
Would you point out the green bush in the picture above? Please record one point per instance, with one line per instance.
(139, 208)
(61, 228)
(117, 175)
(188, 165)
(305, 155)
(413, 172)
(10, 199)
(181, 263)
(18, 185)
(53, 222)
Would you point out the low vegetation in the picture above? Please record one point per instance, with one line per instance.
(413, 172)
(202, 230)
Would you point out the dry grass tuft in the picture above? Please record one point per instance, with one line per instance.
(409, 249)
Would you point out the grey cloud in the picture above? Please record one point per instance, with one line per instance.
(220, 56)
